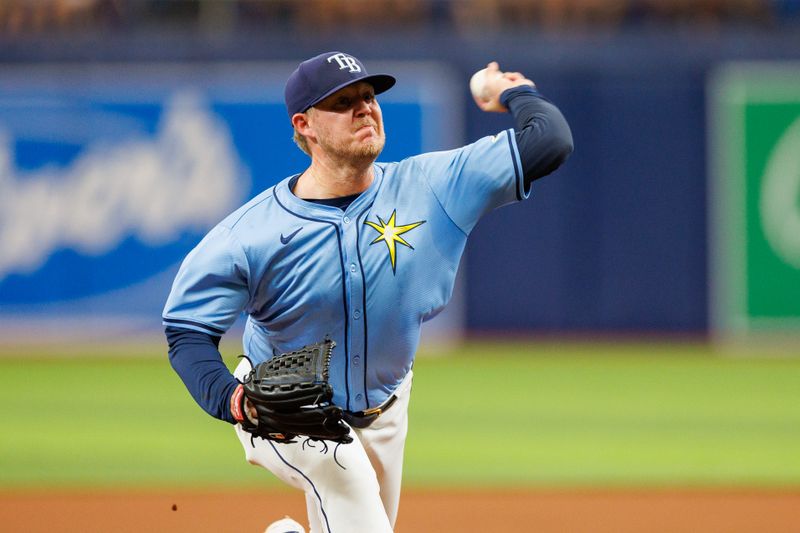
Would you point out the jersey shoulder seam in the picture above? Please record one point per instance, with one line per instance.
(438, 201)
(250, 208)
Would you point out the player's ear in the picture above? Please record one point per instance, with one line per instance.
(300, 123)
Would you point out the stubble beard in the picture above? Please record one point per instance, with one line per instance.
(371, 149)
(366, 151)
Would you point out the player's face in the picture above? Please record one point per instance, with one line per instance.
(349, 124)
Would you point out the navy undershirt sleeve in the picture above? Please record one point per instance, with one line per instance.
(544, 139)
(195, 357)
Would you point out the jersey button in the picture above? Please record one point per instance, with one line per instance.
(358, 397)
(356, 314)
(356, 360)
(353, 268)
(346, 220)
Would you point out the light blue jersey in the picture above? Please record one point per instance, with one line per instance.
(367, 277)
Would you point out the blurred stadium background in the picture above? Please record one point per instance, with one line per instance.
(649, 290)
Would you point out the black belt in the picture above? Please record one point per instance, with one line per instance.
(363, 419)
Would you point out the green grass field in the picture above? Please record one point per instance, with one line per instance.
(533, 415)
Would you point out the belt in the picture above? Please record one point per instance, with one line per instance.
(363, 419)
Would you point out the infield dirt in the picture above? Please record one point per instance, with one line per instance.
(421, 511)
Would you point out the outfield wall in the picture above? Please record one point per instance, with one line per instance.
(617, 241)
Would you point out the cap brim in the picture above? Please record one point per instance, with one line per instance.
(380, 82)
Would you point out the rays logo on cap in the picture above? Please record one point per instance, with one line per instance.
(317, 78)
(346, 62)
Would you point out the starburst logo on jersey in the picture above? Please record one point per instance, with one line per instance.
(389, 232)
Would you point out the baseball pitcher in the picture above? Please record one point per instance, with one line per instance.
(336, 269)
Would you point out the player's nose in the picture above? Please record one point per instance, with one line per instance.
(362, 108)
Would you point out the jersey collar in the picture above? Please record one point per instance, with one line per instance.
(303, 208)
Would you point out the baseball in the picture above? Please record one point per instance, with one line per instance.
(477, 85)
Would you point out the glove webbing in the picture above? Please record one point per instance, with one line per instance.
(295, 368)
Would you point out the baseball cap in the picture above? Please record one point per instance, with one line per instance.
(319, 77)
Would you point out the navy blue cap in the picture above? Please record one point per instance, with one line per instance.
(322, 75)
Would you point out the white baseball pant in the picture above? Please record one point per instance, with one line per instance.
(359, 491)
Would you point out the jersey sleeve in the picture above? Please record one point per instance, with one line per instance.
(211, 288)
(474, 179)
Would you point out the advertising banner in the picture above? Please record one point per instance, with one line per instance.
(755, 197)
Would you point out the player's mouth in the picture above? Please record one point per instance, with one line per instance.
(363, 126)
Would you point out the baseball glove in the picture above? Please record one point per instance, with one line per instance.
(292, 398)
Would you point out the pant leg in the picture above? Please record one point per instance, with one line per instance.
(384, 441)
(342, 492)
